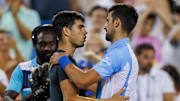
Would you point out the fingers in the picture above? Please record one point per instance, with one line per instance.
(121, 91)
(126, 98)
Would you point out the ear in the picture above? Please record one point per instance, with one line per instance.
(66, 31)
(117, 22)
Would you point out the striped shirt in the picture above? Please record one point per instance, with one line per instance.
(118, 69)
(21, 79)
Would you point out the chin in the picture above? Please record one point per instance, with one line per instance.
(78, 46)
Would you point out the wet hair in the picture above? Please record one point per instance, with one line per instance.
(171, 70)
(96, 8)
(42, 28)
(144, 46)
(127, 14)
(65, 19)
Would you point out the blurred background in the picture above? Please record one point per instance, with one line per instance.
(158, 25)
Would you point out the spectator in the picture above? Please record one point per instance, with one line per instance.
(45, 42)
(92, 51)
(19, 21)
(153, 84)
(175, 76)
(9, 53)
(171, 47)
(143, 36)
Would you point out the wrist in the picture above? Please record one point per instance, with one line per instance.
(64, 61)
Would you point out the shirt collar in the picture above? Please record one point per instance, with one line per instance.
(34, 62)
(118, 43)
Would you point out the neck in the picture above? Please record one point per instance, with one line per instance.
(66, 46)
(118, 36)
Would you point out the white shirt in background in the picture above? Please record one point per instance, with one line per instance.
(177, 98)
(3, 78)
(152, 86)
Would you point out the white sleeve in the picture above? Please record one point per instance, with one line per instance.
(3, 78)
(167, 83)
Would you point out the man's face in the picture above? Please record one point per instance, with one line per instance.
(109, 28)
(46, 45)
(78, 34)
(145, 59)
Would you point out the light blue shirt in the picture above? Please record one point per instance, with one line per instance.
(29, 19)
(118, 68)
(21, 79)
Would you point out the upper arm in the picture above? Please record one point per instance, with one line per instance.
(109, 64)
(168, 97)
(61, 75)
(16, 80)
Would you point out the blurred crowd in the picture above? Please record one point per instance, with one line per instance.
(155, 39)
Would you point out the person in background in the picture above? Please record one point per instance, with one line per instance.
(171, 47)
(19, 21)
(45, 42)
(93, 48)
(153, 84)
(10, 56)
(175, 76)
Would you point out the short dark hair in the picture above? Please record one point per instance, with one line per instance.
(144, 46)
(127, 14)
(172, 71)
(65, 19)
(42, 28)
(176, 9)
(96, 8)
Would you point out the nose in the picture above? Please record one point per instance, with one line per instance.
(84, 31)
(105, 26)
(47, 48)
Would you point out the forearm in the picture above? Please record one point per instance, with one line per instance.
(2, 89)
(164, 13)
(19, 58)
(80, 78)
(70, 93)
(93, 88)
(168, 97)
(25, 32)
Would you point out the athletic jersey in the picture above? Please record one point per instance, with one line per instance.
(118, 69)
(21, 79)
